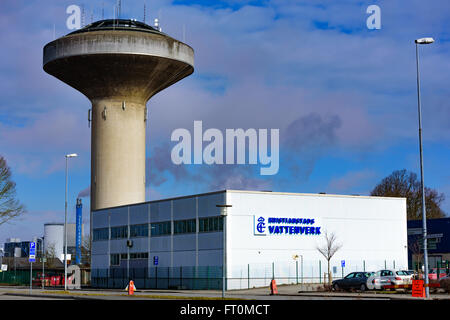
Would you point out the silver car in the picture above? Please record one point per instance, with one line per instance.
(380, 278)
(388, 277)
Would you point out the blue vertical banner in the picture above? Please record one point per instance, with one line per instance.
(78, 231)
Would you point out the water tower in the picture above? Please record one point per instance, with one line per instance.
(118, 65)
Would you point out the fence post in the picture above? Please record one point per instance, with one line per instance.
(364, 265)
(207, 278)
(181, 276)
(273, 270)
(385, 264)
(394, 264)
(156, 277)
(248, 274)
(320, 271)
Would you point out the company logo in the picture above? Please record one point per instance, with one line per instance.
(259, 226)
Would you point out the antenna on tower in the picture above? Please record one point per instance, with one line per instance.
(119, 8)
(82, 16)
(144, 12)
(159, 20)
(114, 17)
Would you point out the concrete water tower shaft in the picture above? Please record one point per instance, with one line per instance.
(118, 65)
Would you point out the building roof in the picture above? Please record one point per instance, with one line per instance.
(117, 24)
(322, 194)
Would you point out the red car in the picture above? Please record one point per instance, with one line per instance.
(432, 274)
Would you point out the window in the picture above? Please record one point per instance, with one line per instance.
(139, 255)
(210, 224)
(115, 261)
(184, 226)
(101, 234)
(139, 230)
(161, 228)
(123, 256)
(119, 232)
(350, 276)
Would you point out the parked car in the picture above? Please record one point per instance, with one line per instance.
(388, 277)
(444, 283)
(354, 280)
(404, 275)
(432, 274)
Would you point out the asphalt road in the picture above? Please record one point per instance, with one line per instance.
(291, 292)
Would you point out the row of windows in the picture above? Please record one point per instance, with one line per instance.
(116, 257)
(184, 226)
(119, 232)
(210, 224)
(139, 230)
(160, 229)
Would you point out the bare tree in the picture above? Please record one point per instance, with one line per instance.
(50, 255)
(402, 183)
(328, 250)
(416, 249)
(9, 206)
(86, 248)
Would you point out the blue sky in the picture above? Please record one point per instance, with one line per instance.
(343, 97)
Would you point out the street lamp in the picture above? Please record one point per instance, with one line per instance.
(72, 155)
(223, 213)
(424, 217)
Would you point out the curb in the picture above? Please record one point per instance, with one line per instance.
(49, 296)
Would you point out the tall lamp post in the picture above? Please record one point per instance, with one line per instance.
(223, 213)
(72, 155)
(424, 217)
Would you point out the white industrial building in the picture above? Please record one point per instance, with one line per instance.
(178, 242)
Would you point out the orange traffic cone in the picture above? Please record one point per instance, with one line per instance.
(131, 288)
(273, 287)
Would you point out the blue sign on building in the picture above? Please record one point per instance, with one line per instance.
(155, 260)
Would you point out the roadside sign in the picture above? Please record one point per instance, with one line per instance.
(32, 256)
(155, 260)
(435, 236)
(32, 248)
(418, 290)
(342, 263)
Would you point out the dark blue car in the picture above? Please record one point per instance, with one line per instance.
(354, 280)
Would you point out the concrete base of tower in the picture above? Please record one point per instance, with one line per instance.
(117, 152)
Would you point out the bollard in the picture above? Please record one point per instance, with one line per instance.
(273, 287)
(131, 288)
